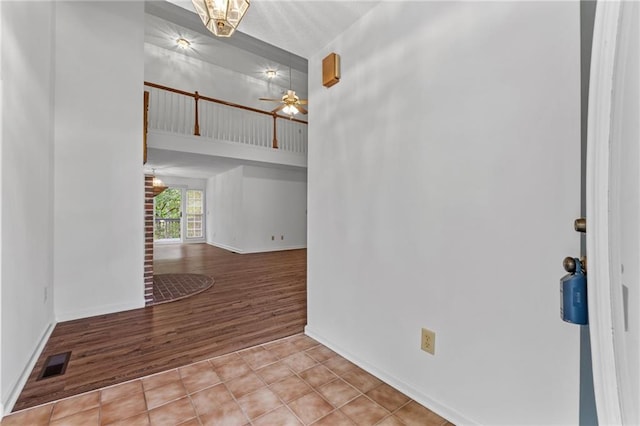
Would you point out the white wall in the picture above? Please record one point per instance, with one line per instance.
(26, 197)
(173, 69)
(225, 149)
(183, 182)
(224, 210)
(98, 264)
(274, 204)
(210, 193)
(1, 169)
(249, 205)
(443, 182)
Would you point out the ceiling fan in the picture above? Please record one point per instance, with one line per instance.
(290, 103)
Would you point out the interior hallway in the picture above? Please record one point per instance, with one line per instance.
(256, 298)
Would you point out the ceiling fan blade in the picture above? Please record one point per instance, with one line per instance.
(302, 110)
(303, 101)
(278, 108)
(270, 100)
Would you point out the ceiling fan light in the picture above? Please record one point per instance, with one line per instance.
(221, 17)
(290, 109)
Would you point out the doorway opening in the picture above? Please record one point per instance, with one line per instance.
(167, 217)
(168, 223)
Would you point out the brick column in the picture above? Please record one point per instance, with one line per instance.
(148, 240)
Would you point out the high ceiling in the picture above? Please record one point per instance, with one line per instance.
(162, 32)
(273, 35)
(302, 26)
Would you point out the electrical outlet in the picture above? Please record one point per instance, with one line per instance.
(273, 238)
(281, 237)
(428, 342)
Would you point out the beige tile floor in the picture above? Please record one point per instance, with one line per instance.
(293, 381)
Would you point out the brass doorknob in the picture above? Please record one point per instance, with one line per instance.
(580, 224)
(569, 264)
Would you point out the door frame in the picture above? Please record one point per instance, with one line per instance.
(182, 206)
(600, 241)
(185, 214)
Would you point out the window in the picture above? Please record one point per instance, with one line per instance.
(168, 211)
(195, 209)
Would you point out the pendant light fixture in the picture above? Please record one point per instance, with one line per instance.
(221, 17)
(158, 185)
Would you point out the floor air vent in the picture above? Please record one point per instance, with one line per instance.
(55, 365)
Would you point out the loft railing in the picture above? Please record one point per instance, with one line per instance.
(177, 111)
(166, 228)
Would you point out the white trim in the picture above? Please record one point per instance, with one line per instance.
(442, 410)
(185, 216)
(1, 172)
(257, 250)
(195, 241)
(279, 248)
(598, 244)
(14, 393)
(168, 241)
(225, 247)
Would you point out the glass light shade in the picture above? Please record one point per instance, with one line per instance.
(221, 17)
(290, 109)
(158, 186)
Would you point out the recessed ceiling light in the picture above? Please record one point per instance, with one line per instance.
(271, 73)
(183, 43)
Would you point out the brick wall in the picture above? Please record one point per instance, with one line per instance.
(148, 240)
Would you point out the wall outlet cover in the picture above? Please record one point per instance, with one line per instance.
(428, 341)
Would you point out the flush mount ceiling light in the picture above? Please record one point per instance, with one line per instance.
(221, 17)
(271, 73)
(183, 43)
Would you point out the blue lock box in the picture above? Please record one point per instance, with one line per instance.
(573, 296)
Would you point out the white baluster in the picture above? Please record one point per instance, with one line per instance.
(189, 115)
(172, 116)
(206, 116)
(165, 107)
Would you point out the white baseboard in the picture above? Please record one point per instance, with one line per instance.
(224, 246)
(98, 310)
(14, 392)
(178, 241)
(280, 248)
(433, 405)
(257, 250)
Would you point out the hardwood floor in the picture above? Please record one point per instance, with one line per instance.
(256, 298)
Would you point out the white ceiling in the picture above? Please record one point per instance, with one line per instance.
(163, 33)
(302, 27)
